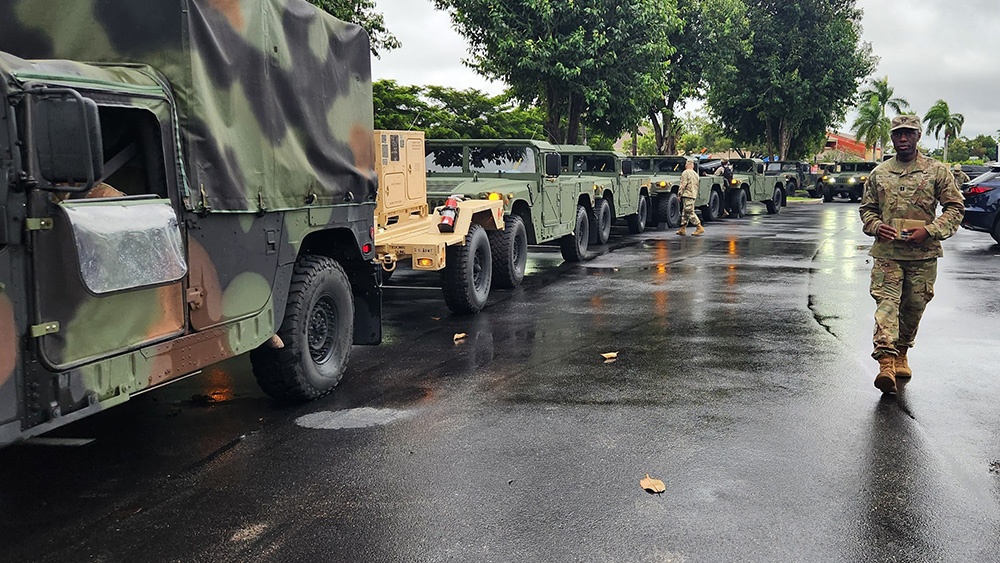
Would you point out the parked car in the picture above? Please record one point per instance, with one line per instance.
(982, 203)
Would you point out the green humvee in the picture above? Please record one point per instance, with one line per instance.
(664, 174)
(750, 183)
(847, 180)
(540, 204)
(203, 187)
(619, 194)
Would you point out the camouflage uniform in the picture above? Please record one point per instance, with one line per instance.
(902, 279)
(960, 176)
(688, 192)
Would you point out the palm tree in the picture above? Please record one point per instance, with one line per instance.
(871, 127)
(872, 124)
(940, 119)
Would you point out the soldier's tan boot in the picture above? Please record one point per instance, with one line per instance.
(699, 231)
(902, 366)
(682, 231)
(886, 378)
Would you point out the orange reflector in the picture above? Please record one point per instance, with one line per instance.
(366, 248)
(425, 262)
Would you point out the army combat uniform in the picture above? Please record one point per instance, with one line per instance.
(906, 195)
(960, 177)
(688, 192)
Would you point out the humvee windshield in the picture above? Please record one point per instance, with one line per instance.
(444, 159)
(671, 165)
(857, 166)
(502, 159)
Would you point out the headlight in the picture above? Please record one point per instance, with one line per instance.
(864, 178)
(831, 181)
(494, 196)
(661, 184)
(734, 182)
(851, 181)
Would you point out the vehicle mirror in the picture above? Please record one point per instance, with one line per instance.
(627, 167)
(66, 134)
(553, 164)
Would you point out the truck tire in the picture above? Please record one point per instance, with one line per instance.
(713, 210)
(854, 197)
(637, 222)
(790, 188)
(509, 248)
(600, 222)
(669, 210)
(738, 203)
(574, 245)
(468, 273)
(774, 204)
(317, 332)
(827, 195)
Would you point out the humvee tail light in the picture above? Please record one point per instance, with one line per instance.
(494, 196)
(425, 262)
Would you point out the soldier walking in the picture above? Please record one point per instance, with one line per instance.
(960, 177)
(899, 209)
(688, 192)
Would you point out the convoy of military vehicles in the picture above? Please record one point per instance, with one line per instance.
(205, 187)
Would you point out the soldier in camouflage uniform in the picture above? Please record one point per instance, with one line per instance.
(960, 176)
(898, 209)
(688, 192)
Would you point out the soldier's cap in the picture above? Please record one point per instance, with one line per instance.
(958, 167)
(905, 122)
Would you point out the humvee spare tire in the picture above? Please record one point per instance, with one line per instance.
(317, 331)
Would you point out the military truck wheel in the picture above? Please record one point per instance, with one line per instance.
(637, 222)
(670, 209)
(600, 222)
(790, 188)
(574, 245)
(713, 210)
(468, 273)
(828, 195)
(509, 248)
(854, 197)
(317, 331)
(774, 204)
(738, 204)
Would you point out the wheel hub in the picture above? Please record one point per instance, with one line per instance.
(322, 321)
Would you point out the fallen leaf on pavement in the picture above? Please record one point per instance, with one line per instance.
(652, 486)
(610, 355)
(460, 336)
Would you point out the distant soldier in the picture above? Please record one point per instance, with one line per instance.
(688, 192)
(899, 209)
(960, 177)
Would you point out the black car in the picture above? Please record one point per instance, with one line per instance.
(982, 203)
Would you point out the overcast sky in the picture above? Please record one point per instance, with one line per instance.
(930, 50)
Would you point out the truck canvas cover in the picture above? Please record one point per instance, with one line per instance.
(274, 97)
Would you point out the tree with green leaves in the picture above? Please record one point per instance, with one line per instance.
(362, 12)
(939, 119)
(872, 123)
(712, 32)
(803, 69)
(598, 63)
(447, 113)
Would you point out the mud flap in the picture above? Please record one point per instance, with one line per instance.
(367, 304)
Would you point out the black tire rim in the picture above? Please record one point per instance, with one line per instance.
(641, 214)
(605, 221)
(582, 233)
(519, 250)
(675, 209)
(478, 267)
(322, 329)
(713, 204)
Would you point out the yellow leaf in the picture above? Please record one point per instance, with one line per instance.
(610, 355)
(435, 318)
(652, 486)
(460, 336)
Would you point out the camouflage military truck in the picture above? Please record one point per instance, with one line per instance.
(618, 193)
(540, 205)
(750, 183)
(457, 241)
(847, 180)
(235, 141)
(664, 174)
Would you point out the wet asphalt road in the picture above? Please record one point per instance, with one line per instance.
(743, 381)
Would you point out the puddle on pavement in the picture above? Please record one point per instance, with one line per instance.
(364, 417)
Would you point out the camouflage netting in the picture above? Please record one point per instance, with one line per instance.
(274, 96)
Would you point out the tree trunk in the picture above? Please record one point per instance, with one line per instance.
(769, 137)
(573, 123)
(784, 138)
(654, 119)
(553, 114)
(635, 141)
(669, 127)
(944, 157)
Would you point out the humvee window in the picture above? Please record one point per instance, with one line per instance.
(502, 159)
(600, 163)
(444, 159)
